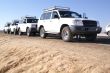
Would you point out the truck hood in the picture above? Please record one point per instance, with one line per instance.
(72, 19)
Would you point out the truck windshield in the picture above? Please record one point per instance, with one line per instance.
(8, 25)
(32, 20)
(69, 14)
(16, 23)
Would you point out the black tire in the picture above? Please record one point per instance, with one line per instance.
(66, 34)
(42, 33)
(15, 32)
(34, 33)
(91, 37)
(10, 32)
(4, 31)
(109, 33)
(28, 32)
(19, 32)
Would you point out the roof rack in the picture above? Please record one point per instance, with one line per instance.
(28, 17)
(57, 8)
(15, 21)
(8, 23)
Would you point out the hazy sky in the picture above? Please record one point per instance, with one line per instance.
(15, 9)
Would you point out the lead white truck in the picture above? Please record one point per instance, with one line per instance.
(28, 25)
(67, 23)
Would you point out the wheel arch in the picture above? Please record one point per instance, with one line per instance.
(18, 28)
(40, 28)
(27, 28)
(108, 32)
(62, 26)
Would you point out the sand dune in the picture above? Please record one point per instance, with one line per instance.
(34, 55)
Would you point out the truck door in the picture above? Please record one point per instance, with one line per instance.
(47, 22)
(54, 23)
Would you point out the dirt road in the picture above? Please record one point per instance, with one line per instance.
(22, 54)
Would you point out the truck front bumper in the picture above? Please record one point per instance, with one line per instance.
(33, 29)
(85, 30)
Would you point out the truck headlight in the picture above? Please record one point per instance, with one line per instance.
(78, 22)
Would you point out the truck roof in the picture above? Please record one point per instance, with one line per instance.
(57, 8)
(29, 17)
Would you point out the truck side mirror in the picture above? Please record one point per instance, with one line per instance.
(24, 22)
(80, 15)
(84, 16)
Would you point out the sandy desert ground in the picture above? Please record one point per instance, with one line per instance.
(22, 54)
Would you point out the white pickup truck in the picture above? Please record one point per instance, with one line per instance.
(14, 27)
(108, 29)
(7, 28)
(60, 20)
(28, 25)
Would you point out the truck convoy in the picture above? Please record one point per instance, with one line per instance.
(62, 21)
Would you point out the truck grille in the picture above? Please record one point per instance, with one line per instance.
(88, 23)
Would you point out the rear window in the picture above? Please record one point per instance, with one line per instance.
(46, 16)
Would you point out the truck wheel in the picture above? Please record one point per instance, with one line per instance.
(42, 33)
(34, 33)
(15, 32)
(91, 37)
(109, 33)
(10, 32)
(4, 31)
(28, 32)
(66, 34)
(19, 32)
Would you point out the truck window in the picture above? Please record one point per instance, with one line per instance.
(69, 14)
(24, 21)
(42, 16)
(16, 22)
(55, 15)
(48, 15)
(8, 25)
